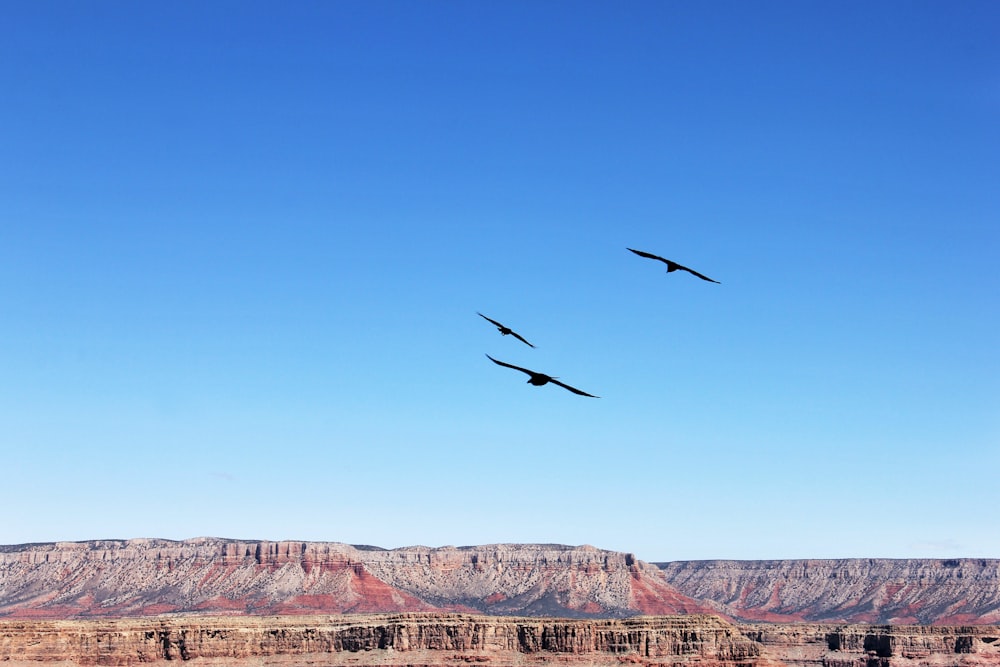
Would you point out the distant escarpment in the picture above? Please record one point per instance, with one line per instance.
(855, 590)
(117, 578)
(145, 577)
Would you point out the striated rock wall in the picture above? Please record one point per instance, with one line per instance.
(452, 639)
(856, 645)
(405, 639)
(117, 578)
(549, 580)
(210, 575)
(144, 577)
(883, 591)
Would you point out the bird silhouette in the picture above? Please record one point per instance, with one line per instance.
(505, 330)
(539, 379)
(673, 266)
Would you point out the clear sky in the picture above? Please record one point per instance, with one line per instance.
(243, 244)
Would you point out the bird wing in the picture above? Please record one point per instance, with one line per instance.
(695, 273)
(520, 338)
(516, 368)
(649, 255)
(489, 320)
(572, 389)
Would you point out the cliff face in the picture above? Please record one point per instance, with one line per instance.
(216, 576)
(406, 639)
(915, 591)
(545, 580)
(146, 577)
(449, 640)
(877, 645)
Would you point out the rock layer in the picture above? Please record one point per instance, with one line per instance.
(885, 591)
(453, 639)
(117, 578)
(404, 639)
(209, 575)
(854, 645)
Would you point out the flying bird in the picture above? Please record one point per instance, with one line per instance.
(673, 266)
(505, 330)
(538, 379)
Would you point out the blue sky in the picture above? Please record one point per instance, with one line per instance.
(242, 248)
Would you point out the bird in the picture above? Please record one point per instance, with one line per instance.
(505, 330)
(539, 379)
(673, 266)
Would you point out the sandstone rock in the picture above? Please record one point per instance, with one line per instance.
(855, 645)
(148, 577)
(115, 578)
(897, 591)
(404, 639)
(448, 640)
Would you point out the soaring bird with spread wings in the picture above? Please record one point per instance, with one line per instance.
(506, 331)
(673, 266)
(539, 379)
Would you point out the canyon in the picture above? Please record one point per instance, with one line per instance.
(143, 577)
(219, 601)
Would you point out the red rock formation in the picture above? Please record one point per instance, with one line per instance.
(146, 577)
